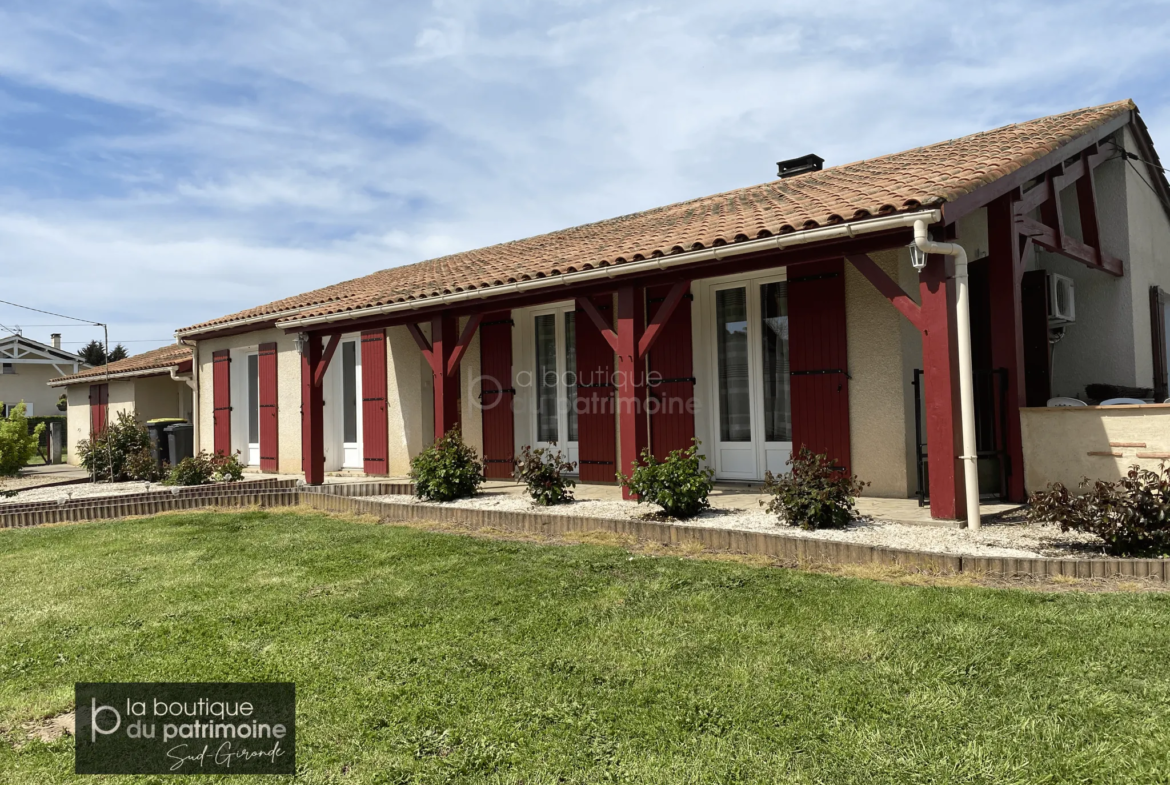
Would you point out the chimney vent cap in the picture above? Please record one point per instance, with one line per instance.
(794, 166)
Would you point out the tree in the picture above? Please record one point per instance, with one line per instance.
(93, 353)
(17, 443)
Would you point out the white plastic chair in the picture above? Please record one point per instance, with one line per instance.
(1123, 402)
(1066, 402)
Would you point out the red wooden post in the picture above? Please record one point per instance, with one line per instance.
(312, 413)
(1007, 336)
(631, 393)
(941, 370)
(444, 336)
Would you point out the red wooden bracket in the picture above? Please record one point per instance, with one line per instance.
(888, 288)
(326, 356)
(1049, 239)
(464, 339)
(654, 329)
(425, 345)
(586, 305)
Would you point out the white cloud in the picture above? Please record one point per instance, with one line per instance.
(236, 153)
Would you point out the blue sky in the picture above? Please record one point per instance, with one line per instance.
(166, 163)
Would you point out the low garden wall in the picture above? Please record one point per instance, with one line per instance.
(1065, 443)
(789, 549)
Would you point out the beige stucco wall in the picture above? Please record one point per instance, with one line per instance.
(1064, 444)
(877, 414)
(1110, 340)
(408, 400)
(121, 399)
(76, 420)
(30, 384)
(288, 372)
(156, 397)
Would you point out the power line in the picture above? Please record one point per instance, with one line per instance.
(50, 313)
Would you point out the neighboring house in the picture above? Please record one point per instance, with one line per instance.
(757, 320)
(150, 386)
(26, 366)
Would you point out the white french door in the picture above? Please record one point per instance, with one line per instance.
(555, 380)
(746, 321)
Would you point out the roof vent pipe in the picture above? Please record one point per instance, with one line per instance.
(794, 166)
(924, 245)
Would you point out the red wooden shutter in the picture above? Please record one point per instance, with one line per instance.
(596, 433)
(671, 400)
(819, 359)
(99, 408)
(496, 394)
(221, 401)
(375, 428)
(269, 423)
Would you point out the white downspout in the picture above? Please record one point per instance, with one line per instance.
(966, 382)
(194, 382)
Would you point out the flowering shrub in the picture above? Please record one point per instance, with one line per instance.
(1131, 515)
(543, 471)
(815, 494)
(679, 485)
(447, 470)
(120, 452)
(204, 468)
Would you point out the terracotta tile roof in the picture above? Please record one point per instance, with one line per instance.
(145, 364)
(893, 183)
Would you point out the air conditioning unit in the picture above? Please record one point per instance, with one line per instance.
(1062, 308)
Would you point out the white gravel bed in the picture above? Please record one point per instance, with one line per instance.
(1012, 540)
(83, 490)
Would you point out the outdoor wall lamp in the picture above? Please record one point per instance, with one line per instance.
(301, 343)
(917, 257)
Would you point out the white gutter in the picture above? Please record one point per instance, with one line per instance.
(137, 373)
(775, 243)
(966, 383)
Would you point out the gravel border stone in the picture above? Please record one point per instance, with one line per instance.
(1009, 539)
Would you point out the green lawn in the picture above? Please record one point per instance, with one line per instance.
(424, 657)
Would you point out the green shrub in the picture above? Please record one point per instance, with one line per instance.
(205, 468)
(815, 494)
(447, 470)
(679, 485)
(1131, 515)
(120, 452)
(543, 471)
(17, 443)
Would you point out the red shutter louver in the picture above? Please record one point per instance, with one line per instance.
(221, 401)
(819, 359)
(496, 394)
(375, 428)
(672, 399)
(269, 422)
(99, 401)
(596, 433)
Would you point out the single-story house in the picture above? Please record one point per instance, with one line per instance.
(822, 309)
(151, 385)
(26, 366)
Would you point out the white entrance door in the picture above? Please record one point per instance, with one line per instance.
(351, 408)
(747, 322)
(253, 457)
(555, 380)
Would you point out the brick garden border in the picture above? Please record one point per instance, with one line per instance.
(348, 498)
